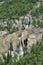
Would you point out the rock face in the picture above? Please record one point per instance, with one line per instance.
(5, 41)
(14, 38)
(25, 21)
(23, 34)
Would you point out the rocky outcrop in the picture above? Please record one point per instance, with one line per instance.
(4, 41)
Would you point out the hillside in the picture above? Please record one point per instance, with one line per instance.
(17, 8)
(21, 32)
(14, 9)
(35, 57)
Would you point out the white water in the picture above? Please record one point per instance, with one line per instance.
(21, 50)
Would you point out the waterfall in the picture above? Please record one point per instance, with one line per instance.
(21, 50)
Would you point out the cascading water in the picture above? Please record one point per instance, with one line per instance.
(26, 22)
(20, 50)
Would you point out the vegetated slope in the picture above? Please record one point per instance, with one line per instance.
(35, 57)
(16, 8)
(38, 11)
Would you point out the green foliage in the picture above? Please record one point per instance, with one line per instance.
(38, 23)
(42, 37)
(10, 28)
(16, 8)
(37, 11)
(1, 27)
(34, 22)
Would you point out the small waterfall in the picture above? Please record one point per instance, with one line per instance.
(21, 50)
(26, 22)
